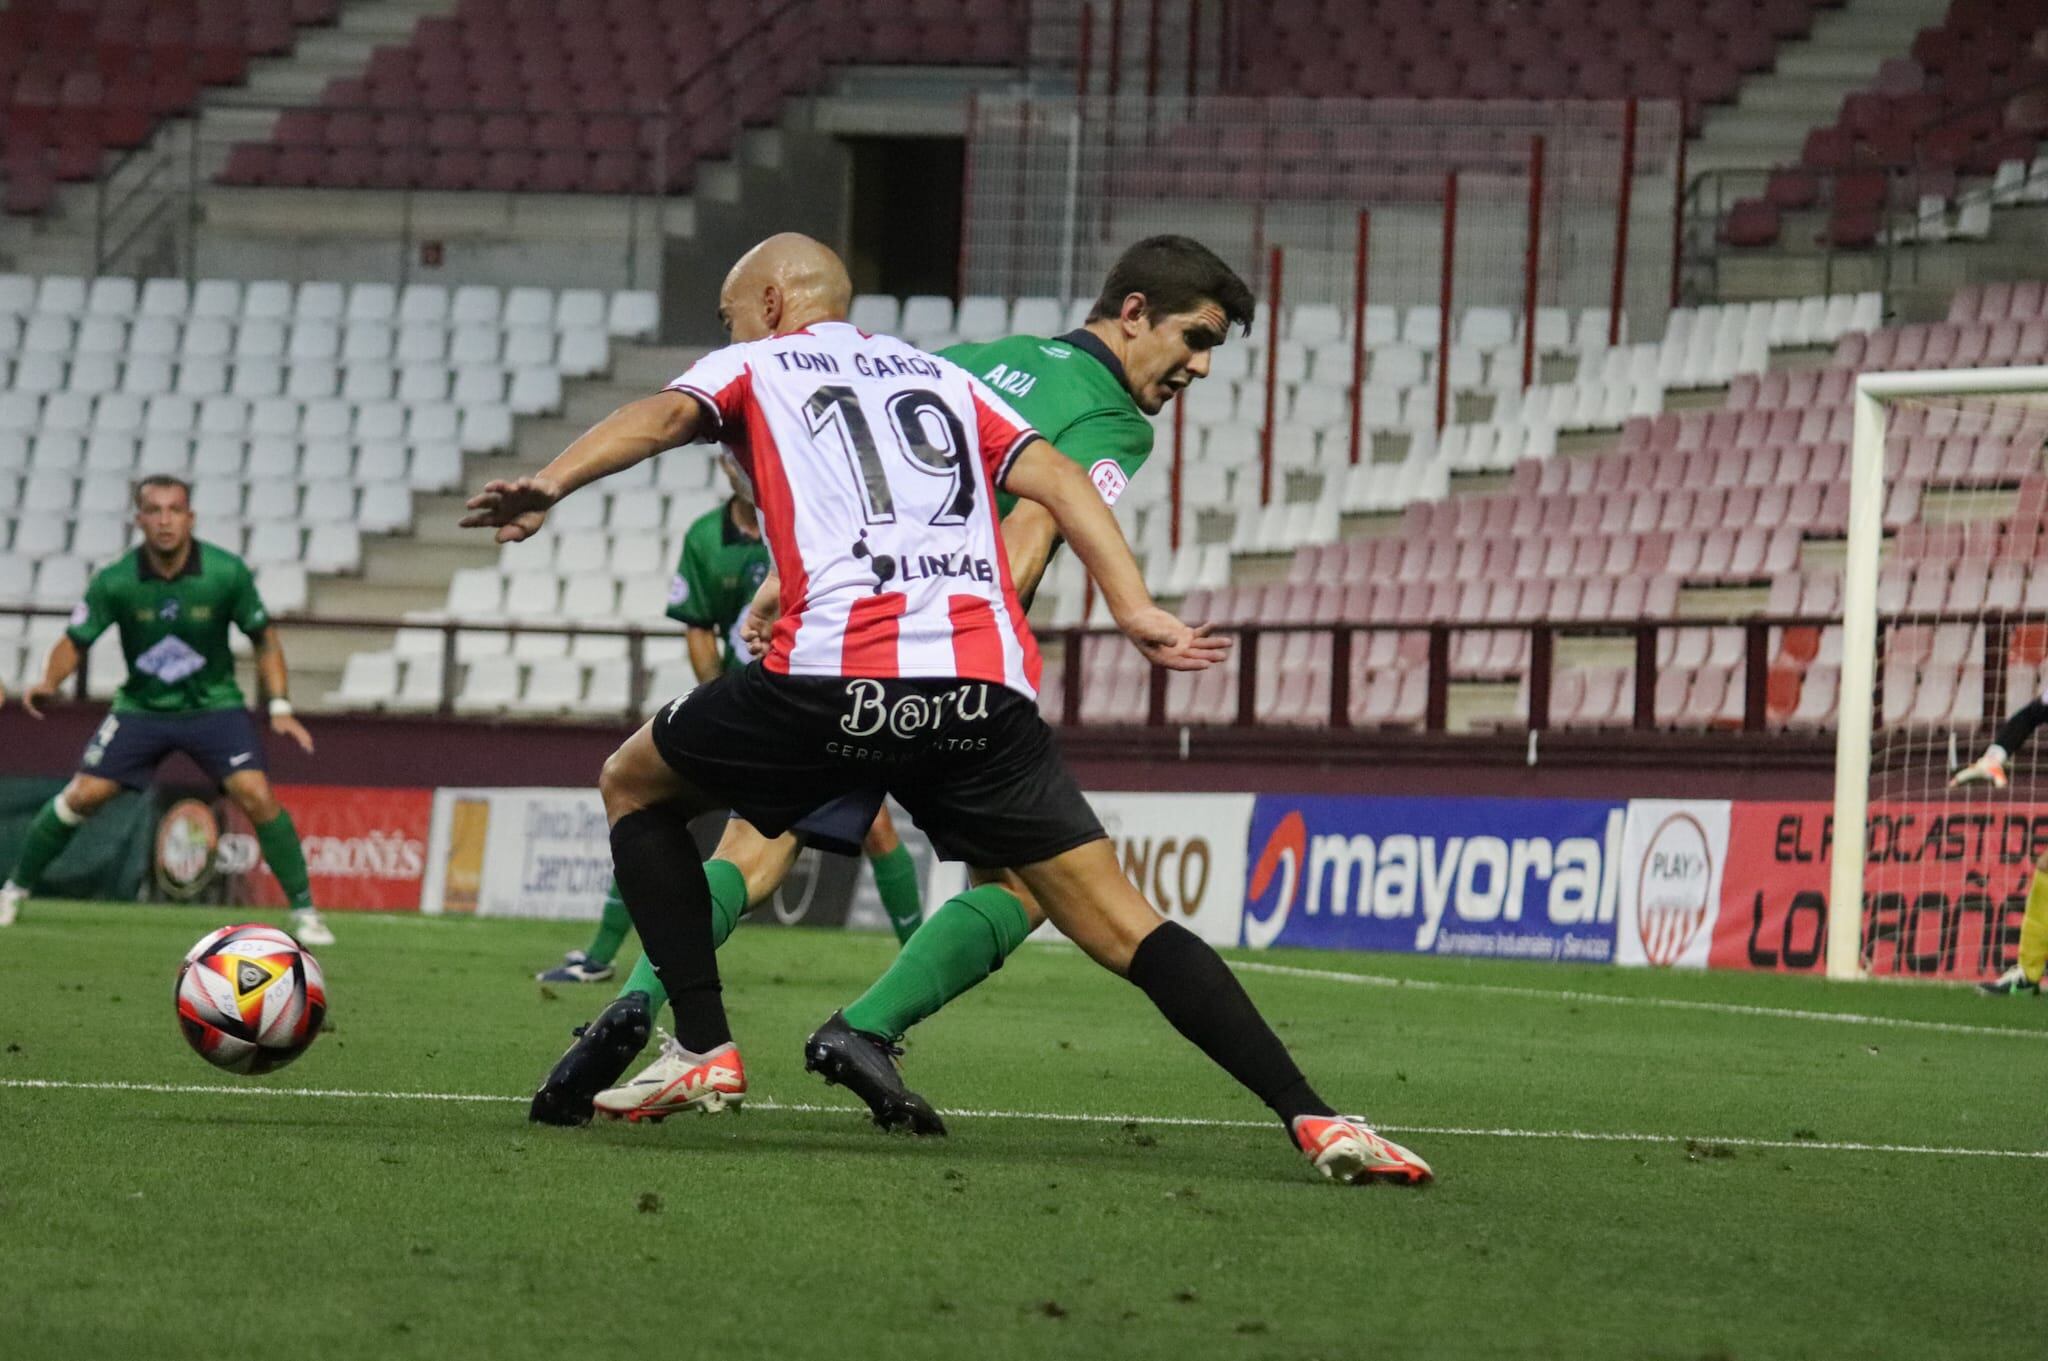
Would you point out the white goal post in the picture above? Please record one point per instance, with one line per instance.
(1874, 394)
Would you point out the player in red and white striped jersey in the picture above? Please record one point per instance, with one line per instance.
(882, 576)
(874, 467)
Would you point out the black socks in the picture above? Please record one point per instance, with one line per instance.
(662, 881)
(1196, 991)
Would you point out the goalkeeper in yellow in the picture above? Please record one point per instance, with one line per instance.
(2024, 976)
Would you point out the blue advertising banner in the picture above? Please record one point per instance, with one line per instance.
(1515, 878)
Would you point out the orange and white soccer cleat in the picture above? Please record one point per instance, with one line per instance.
(1345, 1150)
(677, 1081)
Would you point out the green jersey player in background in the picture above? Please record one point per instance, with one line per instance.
(723, 563)
(1166, 303)
(173, 598)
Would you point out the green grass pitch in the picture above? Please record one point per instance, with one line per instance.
(1767, 1182)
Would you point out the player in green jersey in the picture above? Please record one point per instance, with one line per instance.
(722, 564)
(173, 599)
(1165, 304)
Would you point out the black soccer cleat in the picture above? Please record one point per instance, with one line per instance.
(599, 1058)
(865, 1065)
(2012, 983)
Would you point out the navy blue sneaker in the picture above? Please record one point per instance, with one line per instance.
(576, 968)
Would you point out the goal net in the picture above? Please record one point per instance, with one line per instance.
(1944, 633)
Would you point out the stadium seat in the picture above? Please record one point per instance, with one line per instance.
(369, 680)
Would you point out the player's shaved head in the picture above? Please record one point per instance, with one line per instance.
(784, 284)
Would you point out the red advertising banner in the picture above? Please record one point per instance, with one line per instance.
(1945, 887)
(365, 848)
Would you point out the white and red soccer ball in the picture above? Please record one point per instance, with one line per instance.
(250, 999)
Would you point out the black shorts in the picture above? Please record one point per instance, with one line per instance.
(128, 747)
(972, 762)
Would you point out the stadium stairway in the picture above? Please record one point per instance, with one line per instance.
(1774, 111)
(409, 573)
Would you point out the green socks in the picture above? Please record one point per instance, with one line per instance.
(48, 835)
(279, 839)
(728, 905)
(612, 927)
(896, 881)
(642, 979)
(965, 941)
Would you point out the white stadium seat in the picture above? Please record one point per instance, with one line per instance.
(61, 295)
(527, 306)
(17, 294)
(876, 313)
(369, 680)
(334, 548)
(635, 314)
(529, 347)
(372, 302)
(488, 683)
(982, 318)
(424, 381)
(420, 342)
(423, 302)
(926, 318)
(112, 296)
(476, 305)
(257, 378)
(585, 352)
(579, 308)
(319, 302)
(267, 298)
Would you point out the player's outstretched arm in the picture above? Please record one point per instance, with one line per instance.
(2012, 735)
(62, 661)
(1043, 474)
(636, 431)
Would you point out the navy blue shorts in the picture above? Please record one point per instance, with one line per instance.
(841, 826)
(127, 748)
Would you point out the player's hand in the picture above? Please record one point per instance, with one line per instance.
(31, 698)
(515, 509)
(1167, 642)
(286, 725)
(1984, 770)
(757, 626)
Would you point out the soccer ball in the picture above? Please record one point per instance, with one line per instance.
(250, 999)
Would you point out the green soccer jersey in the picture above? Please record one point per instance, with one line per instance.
(716, 577)
(174, 630)
(1071, 389)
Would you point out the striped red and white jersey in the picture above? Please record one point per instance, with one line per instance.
(875, 468)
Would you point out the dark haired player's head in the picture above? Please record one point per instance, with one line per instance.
(163, 512)
(1167, 302)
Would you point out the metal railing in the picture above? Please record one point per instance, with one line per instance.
(1345, 639)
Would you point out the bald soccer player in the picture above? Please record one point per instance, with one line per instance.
(875, 467)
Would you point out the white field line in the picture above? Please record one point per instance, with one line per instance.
(1612, 999)
(1056, 1117)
